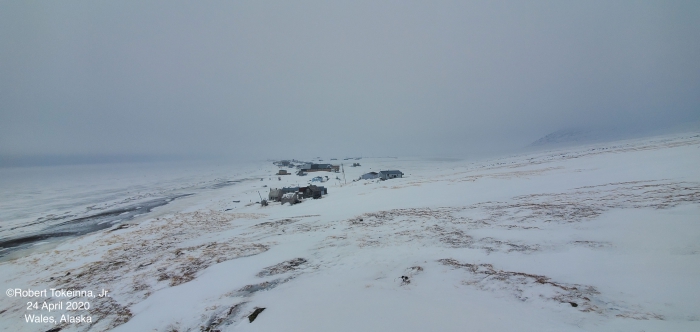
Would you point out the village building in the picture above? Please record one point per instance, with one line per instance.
(392, 174)
(320, 168)
(369, 176)
(290, 190)
(276, 194)
(283, 163)
(311, 191)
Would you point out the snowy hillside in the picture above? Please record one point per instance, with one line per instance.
(593, 238)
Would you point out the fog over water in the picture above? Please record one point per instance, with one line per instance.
(263, 79)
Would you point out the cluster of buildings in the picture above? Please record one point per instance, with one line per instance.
(382, 175)
(309, 167)
(305, 168)
(295, 195)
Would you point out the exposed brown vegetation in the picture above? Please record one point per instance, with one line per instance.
(527, 286)
(283, 267)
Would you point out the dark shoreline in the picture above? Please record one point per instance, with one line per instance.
(84, 225)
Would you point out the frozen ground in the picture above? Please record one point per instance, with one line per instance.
(40, 205)
(596, 238)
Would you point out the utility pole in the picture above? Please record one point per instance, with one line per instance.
(343, 168)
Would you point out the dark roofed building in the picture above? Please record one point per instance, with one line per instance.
(320, 168)
(392, 174)
(312, 191)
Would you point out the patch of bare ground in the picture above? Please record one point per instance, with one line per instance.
(455, 238)
(370, 241)
(517, 227)
(287, 226)
(248, 290)
(592, 244)
(186, 262)
(339, 240)
(225, 315)
(450, 226)
(276, 224)
(427, 225)
(376, 219)
(284, 267)
(463, 176)
(452, 237)
(136, 261)
(528, 287)
(307, 216)
(510, 174)
(585, 203)
(641, 194)
(492, 245)
(522, 211)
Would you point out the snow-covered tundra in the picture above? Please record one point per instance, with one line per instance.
(602, 237)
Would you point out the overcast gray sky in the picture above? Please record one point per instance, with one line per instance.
(260, 79)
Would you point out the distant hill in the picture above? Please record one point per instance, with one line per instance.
(564, 136)
(584, 135)
(575, 136)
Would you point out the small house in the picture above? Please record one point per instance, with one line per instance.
(369, 176)
(392, 174)
(312, 191)
(282, 172)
